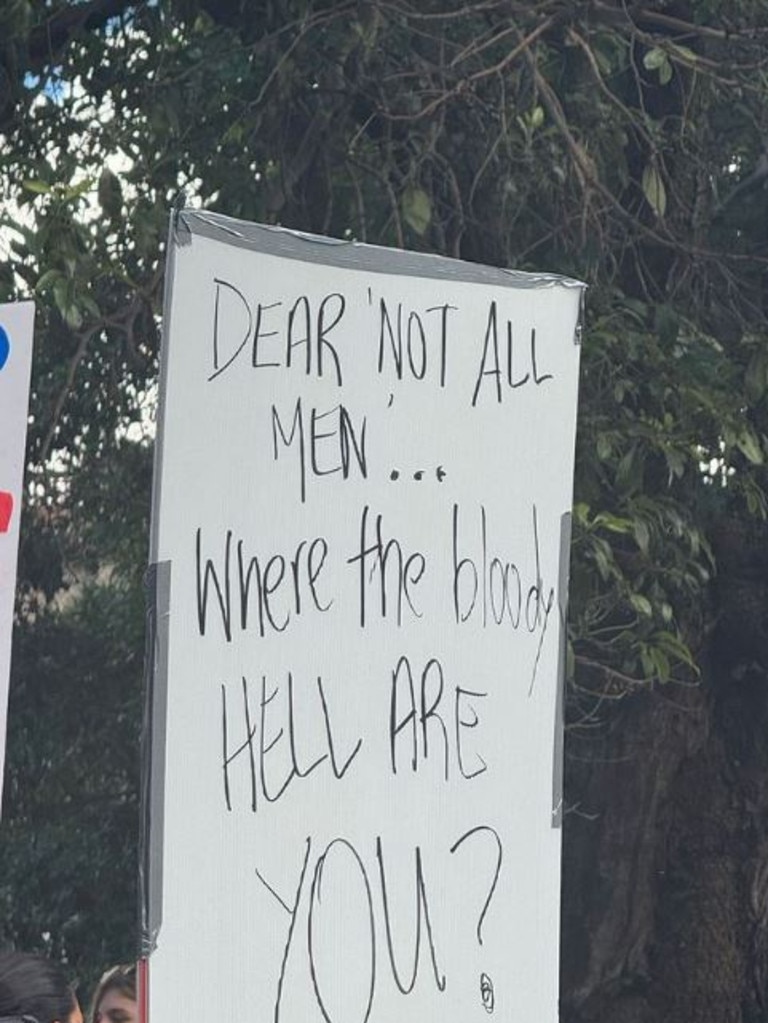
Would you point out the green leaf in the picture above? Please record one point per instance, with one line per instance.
(642, 535)
(613, 523)
(674, 646)
(604, 446)
(750, 447)
(603, 560)
(654, 59)
(47, 280)
(90, 306)
(61, 294)
(69, 192)
(73, 317)
(667, 324)
(110, 193)
(684, 53)
(658, 60)
(537, 117)
(641, 604)
(661, 664)
(581, 513)
(38, 187)
(629, 471)
(756, 378)
(654, 190)
(417, 209)
(235, 133)
(675, 463)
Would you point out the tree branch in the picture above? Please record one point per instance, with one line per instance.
(47, 41)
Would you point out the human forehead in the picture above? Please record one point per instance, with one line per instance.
(115, 1007)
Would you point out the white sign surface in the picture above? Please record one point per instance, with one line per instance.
(16, 325)
(366, 459)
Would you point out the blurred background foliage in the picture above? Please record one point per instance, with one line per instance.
(622, 144)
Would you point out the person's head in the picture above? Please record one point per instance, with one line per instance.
(114, 1000)
(36, 989)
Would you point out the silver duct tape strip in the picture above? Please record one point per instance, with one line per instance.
(180, 232)
(351, 255)
(158, 587)
(174, 240)
(562, 607)
(578, 334)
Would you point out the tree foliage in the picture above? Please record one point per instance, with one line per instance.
(623, 144)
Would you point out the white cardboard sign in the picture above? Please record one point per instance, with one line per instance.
(364, 469)
(16, 325)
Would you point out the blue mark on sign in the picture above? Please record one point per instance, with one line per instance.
(5, 347)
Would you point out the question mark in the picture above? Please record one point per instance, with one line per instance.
(487, 994)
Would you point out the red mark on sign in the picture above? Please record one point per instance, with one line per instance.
(6, 508)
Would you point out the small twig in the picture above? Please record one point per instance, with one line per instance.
(74, 362)
(464, 83)
(612, 673)
(395, 213)
(582, 43)
(463, 12)
(474, 49)
(360, 203)
(689, 29)
(574, 809)
(584, 166)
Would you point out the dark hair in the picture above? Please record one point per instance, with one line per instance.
(121, 979)
(31, 985)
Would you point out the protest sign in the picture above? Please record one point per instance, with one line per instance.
(16, 324)
(360, 551)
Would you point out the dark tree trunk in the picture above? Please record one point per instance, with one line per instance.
(665, 886)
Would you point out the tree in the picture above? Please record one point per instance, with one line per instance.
(622, 144)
